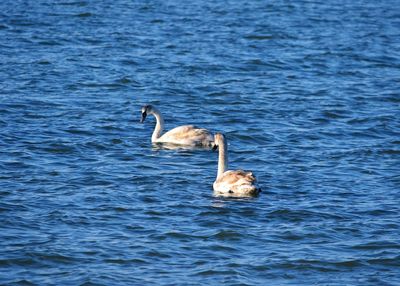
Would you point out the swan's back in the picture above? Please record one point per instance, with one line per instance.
(188, 135)
(237, 183)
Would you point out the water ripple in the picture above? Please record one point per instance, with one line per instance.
(306, 93)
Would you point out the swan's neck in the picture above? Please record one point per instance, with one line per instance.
(159, 125)
(222, 158)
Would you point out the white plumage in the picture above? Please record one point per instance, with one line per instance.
(237, 183)
(187, 135)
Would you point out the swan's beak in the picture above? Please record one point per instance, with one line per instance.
(144, 114)
(215, 147)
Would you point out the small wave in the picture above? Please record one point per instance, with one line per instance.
(300, 215)
(214, 272)
(74, 3)
(54, 258)
(395, 261)
(84, 15)
(75, 131)
(259, 37)
(377, 246)
(320, 265)
(227, 235)
(50, 43)
(59, 148)
(121, 261)
(389, 152)
(156, 254)
(44, 62)
(17, 261)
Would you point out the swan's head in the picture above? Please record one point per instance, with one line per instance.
(147, 109)
(219, 140)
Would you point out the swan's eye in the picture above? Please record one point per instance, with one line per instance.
(144, 114)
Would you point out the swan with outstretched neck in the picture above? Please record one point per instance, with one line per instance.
(187, 135)
(236, 183)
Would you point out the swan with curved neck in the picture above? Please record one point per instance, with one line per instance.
(188, 135)
(236, 183)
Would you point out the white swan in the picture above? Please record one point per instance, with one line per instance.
(237, 183)
(188, 135)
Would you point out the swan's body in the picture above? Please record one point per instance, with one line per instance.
(188, 135)
(237, 183)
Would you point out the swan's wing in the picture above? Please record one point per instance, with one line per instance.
(236, 183)
(186, 131)
(186, 134)
(235, 177)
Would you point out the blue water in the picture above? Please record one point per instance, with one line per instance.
(307, 93)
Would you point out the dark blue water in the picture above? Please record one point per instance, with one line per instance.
(307, 93)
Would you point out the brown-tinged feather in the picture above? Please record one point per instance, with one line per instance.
(188, 133)
(232, 177)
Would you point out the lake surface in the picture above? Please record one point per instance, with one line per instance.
(307, 93)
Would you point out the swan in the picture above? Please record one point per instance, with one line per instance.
(236, 183)
(188, 135)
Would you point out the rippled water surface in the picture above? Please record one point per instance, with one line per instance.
(307, 93)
